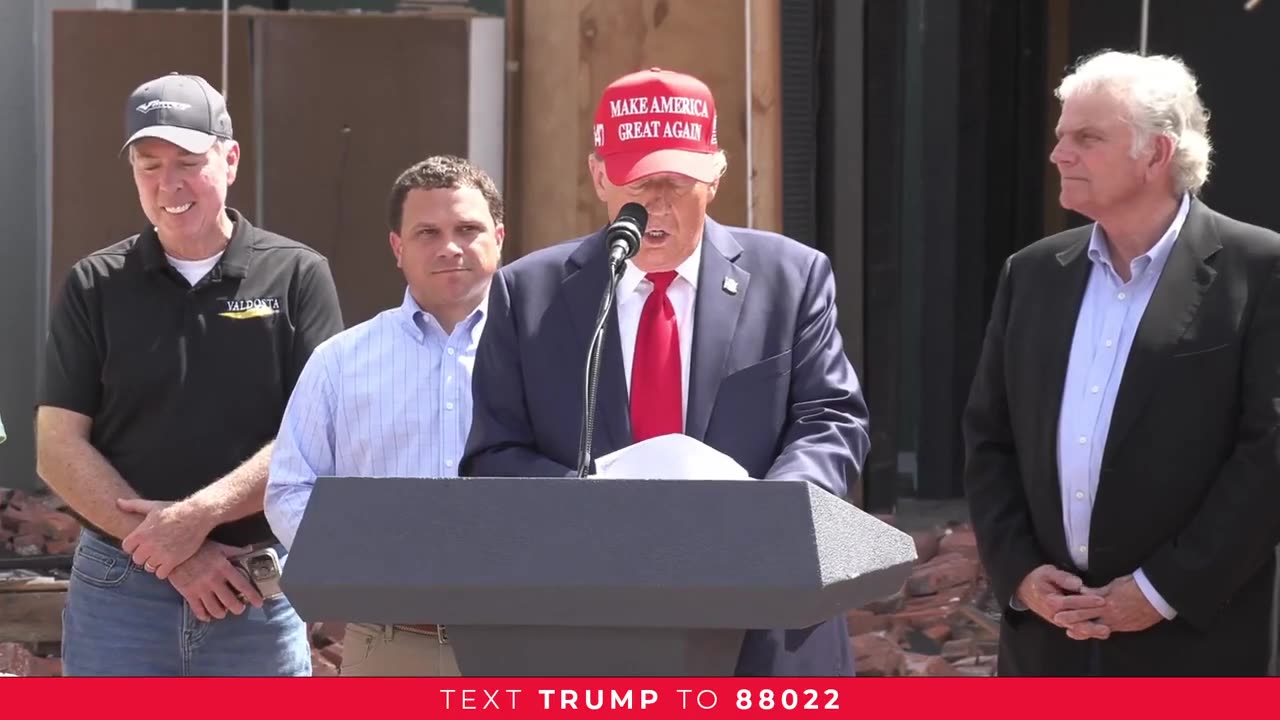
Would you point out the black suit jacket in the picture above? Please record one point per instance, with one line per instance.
(1190, 483)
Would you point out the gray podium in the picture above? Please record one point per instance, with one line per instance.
(582, 577)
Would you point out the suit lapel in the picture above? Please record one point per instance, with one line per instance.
(722, 286)
(1181, 287)
(1064, 291)
(582, 290)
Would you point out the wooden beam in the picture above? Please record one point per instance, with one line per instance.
(31, 610)
(512, 198)
(553, 142)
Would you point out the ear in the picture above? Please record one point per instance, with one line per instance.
(233, 162)
(1161, 154)
(499, 234)
(599, 180)
(396, 246)
(721, 165)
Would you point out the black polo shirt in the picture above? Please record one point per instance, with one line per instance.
(186, 383)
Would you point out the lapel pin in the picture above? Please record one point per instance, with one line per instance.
(730, 286)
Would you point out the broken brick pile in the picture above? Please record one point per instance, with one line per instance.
(26, 661)
(326, 648)
(35, 525)
(942, 622)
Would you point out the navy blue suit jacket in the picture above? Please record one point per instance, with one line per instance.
(770, 385)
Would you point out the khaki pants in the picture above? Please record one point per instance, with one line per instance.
(390, 651)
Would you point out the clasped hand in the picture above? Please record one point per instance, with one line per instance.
(1084, 612)
(172, 543)
(168, 535)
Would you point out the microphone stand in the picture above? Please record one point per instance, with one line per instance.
(592, 375)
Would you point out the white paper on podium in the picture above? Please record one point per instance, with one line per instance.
(670, 457)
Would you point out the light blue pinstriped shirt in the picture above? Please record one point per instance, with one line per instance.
(1105, 328)
(390, 397)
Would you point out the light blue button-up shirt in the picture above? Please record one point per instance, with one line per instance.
(1105, 328)
(390, 397)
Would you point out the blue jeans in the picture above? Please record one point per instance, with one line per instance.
(121, 620)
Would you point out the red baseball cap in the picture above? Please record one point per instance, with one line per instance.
(656, 121)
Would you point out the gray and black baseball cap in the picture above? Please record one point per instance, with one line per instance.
(183, 109)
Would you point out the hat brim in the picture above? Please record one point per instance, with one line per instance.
(193, 141)
(626, 168)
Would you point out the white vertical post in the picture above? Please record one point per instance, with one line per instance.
(1142, 29)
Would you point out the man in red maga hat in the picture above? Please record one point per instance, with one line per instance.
(724, 334)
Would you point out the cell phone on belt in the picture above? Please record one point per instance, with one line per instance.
(262, 569)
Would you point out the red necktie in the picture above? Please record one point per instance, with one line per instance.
(655, 367)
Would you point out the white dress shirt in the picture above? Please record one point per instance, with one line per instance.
(1105, 330)
(632, 291)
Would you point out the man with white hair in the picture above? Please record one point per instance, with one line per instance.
(1123, 428)
(171, 355)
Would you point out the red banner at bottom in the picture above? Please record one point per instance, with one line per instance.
(701, 698)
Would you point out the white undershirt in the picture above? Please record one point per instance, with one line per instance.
(632, 291)
(193, 270)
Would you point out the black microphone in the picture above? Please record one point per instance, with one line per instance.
(624, 234)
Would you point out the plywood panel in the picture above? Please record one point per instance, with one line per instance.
(348, 103)
(96, 64)
(572, 49)
(31, 610)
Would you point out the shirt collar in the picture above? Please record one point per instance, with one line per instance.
(1154, 259)
(235, 257)
(633, 276)
(417, 321)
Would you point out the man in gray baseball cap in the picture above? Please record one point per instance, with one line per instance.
(183, 109)
(170, 358)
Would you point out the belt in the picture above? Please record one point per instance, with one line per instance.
(115, 542)
(428, 629)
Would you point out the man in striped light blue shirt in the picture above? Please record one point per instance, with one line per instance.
(391, 397)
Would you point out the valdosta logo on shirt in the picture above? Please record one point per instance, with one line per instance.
(247, 308)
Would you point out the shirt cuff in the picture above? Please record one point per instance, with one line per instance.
(1016, 604)
(1153, 597)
